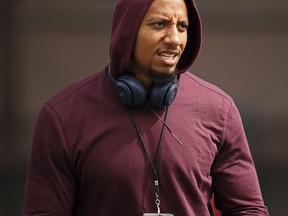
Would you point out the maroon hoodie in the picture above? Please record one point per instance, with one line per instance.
(87, 158)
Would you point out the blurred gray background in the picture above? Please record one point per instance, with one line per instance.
(46, 44)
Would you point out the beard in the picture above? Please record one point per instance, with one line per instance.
(161, 78)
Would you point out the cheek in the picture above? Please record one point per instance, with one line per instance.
(143, 48)
(184, 39)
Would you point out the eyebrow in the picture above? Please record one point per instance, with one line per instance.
(157, 19)
(165, 20)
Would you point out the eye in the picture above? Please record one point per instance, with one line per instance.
(182, 26)
(158, 25)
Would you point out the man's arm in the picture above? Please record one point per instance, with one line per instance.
(50, 186)
(235, 182)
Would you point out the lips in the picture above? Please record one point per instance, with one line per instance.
(169, 57)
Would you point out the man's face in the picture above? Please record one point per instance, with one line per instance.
(161, 39)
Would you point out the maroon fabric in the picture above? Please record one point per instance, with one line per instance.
(86, 158)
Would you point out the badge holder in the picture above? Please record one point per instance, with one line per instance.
(154, 166)
(157, 202)
(156, 214)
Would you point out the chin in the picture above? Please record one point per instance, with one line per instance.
(162, 76)
(163, 70)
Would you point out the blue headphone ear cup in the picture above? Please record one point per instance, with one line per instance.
(122, 91)
(163, 96)
(128, 89)
(137, 91)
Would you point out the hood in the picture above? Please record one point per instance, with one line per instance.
(127, 19)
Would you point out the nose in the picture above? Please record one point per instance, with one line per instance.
(172, 36)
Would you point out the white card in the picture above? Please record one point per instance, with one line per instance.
(155, 214)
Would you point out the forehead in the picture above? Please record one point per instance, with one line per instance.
(167, 8)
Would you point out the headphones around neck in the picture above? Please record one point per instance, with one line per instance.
(131, 92)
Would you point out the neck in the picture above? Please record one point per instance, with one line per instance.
(145, 80)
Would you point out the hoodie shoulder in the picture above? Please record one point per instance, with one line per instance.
(206, 88)
(75, 88)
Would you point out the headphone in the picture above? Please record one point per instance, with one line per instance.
(131, 92)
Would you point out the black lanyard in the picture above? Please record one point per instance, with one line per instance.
(156, 163)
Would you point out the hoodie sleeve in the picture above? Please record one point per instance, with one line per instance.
(50, 186)
(235, 182)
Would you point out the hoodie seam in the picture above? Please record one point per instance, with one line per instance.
(82, 85)
(209, 88)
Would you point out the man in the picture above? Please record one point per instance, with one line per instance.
(143, 136)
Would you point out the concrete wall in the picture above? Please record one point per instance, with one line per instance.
(47, 44)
